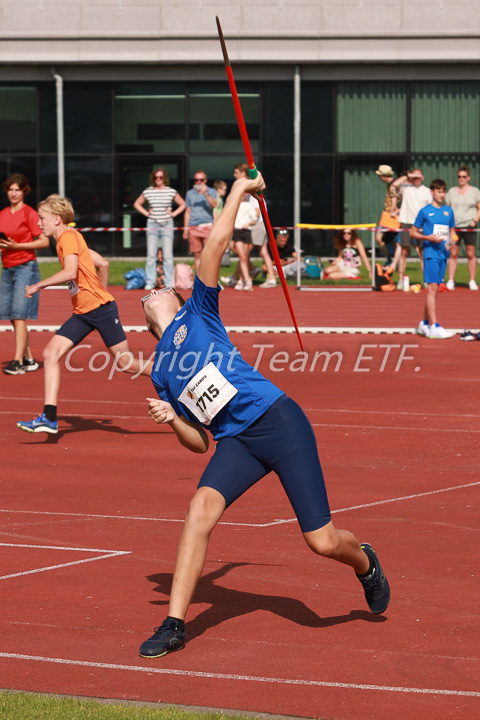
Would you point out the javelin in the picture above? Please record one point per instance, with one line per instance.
(252, 171)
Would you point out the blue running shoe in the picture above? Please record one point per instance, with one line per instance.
(39, 424)
(375, 585)
(166, 638)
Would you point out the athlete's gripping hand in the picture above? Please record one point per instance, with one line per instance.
(254, 186)
(160, 411)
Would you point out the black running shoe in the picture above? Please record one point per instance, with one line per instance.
(15, 368)
(375, 585)
(166, 638)
(30, 365)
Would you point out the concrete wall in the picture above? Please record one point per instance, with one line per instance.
(110, 32)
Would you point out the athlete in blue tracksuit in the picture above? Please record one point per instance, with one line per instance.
(203, 384)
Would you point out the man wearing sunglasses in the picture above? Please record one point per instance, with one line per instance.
(201, 202)
(202, 382)
(465, 203)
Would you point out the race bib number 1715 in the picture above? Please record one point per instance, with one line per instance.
(207, 393)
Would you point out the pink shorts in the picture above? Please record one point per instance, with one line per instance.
(197, 237)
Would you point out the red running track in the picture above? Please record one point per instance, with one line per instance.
(272, 628)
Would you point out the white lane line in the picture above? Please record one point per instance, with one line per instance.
(106, 554)
(243, 678)
(426, 415)
(412, 428)
(239, 524)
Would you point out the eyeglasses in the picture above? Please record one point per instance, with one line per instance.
(159, 292)
(200, 180)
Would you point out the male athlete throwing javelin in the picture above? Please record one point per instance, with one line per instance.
(258, 429)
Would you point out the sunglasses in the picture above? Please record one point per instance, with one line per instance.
(159, 292)
(159, 177)
(462, 176)
(200, 180)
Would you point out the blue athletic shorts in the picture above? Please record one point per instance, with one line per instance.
(105, 319)
(434, 269)
(281, 440)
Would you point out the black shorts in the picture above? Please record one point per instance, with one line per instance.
(469, 238)
(281, 440)
(104, 319)
(244, 236)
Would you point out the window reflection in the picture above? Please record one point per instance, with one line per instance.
(213, 126)
(150, 123)
(18, 119)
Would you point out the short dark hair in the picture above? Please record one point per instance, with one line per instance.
(438, 184)
(464, 168)
(20, 180)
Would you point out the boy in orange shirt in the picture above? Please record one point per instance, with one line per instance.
(93, 309)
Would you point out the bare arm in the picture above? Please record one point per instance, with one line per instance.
(41, 241)
(186, 221)
(102, 267)
(181, 205)
(221, 233)
(191, 435)
(418, 235)
(138, 205)
(67, 274)
(362, 252)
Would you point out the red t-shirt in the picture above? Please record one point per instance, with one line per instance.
(21, 226)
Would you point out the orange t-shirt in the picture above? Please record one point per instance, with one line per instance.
(86, 290)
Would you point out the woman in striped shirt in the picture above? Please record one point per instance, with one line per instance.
(160, 198)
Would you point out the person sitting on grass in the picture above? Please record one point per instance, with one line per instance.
(257, 429)
(435, 225)
(93, 308)
(351, 252)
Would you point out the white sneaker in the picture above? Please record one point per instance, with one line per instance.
(473, 285)
(437, 332)
(450, 285)
(400, 285)
(423, 329)
(149, 287)
(269, 283)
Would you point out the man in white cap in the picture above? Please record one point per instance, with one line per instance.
(386, 236)
(415, 196)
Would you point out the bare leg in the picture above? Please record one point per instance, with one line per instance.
(52, 354)
(452, 261)
(21, 338)
(265, 255)
(471, 260)
(430, 303)
(206, 509)
(338, 545)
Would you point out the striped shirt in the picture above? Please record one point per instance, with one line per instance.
(160, 201)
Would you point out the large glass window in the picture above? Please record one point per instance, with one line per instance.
(18, 119)
(371, 117)
(317, 117)
(212, 123)
(277, 102)
(445, 117)
(150, 118)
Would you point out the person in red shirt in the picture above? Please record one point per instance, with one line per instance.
(20, 236)
(94, 308)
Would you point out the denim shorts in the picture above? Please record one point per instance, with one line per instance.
(13, 303)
